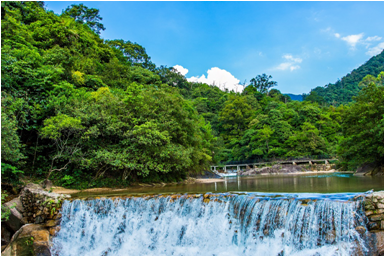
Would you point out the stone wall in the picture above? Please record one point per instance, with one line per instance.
(39, 205)
(34, 205)
(374, 211)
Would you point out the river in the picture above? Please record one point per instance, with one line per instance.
(263, 215)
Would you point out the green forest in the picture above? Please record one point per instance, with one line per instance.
(85, 112)
(345, 89)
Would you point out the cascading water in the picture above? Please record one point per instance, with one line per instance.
(224, 224)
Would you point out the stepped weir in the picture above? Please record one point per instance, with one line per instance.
(215, 224)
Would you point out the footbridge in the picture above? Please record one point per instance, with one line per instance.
(238, 166)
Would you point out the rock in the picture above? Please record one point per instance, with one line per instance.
(16, 202)
(40, 205)
(15, 220)
(370, 169)
(41, 249)
(368, 213)
(361, 229)
(380, 205)
(40, 235)
(39, 220)
(373, 225)
(379, 236)
(30, 239)
(376, 217)
(52, 223)
(54, 230)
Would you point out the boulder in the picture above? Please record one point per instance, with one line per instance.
(30, 239)
(370, 169)
(16, 203)
(15, 220)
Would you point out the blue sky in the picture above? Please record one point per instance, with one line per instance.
(301, 44)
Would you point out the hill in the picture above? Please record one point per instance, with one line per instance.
(343, 90)
(296, 97)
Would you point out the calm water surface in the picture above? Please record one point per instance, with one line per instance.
(282, 183)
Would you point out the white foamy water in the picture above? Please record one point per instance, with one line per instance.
(228, 224)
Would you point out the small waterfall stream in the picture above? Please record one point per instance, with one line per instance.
(212, 224)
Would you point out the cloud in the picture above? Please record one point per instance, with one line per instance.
(220, 78)
(375, 38)
(358, 39)
(376, 49)
(181, 70)
(352, 40)
(291, 63)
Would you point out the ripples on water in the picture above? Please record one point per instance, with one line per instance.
(214, 224)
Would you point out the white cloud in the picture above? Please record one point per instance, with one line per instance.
(352, 40)
(220, 78)
(294, 67)
(376, 49)
(291, 58)
(291, 63)
(375, 38)
(358, 39)
(181, 70)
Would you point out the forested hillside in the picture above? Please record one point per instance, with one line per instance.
(86, 112)
(343, 90)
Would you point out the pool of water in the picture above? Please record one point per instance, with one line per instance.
(280, 183)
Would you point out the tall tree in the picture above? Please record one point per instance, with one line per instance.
(85, 15)
(262, 83)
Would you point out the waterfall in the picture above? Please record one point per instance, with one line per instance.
(212, 224)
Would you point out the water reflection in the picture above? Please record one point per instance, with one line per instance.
(270, 183)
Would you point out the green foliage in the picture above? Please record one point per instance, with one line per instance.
(262, 83)
(343, 90)
(85, 15)
(363, 126)
(5, 211)
(10, 141)
(89, 112)
(10, 173)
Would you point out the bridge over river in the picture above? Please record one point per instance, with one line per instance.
(251, 165)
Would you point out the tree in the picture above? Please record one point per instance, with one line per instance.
(63, 129)
(85, 15)
(133, 53)
(262, 83)
(235, 117)
(363, 128)
(264, 135)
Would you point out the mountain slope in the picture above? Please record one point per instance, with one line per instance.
(343, 90)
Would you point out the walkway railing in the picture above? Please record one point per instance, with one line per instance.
(290, 160)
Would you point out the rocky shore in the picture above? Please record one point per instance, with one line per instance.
(286, 169)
